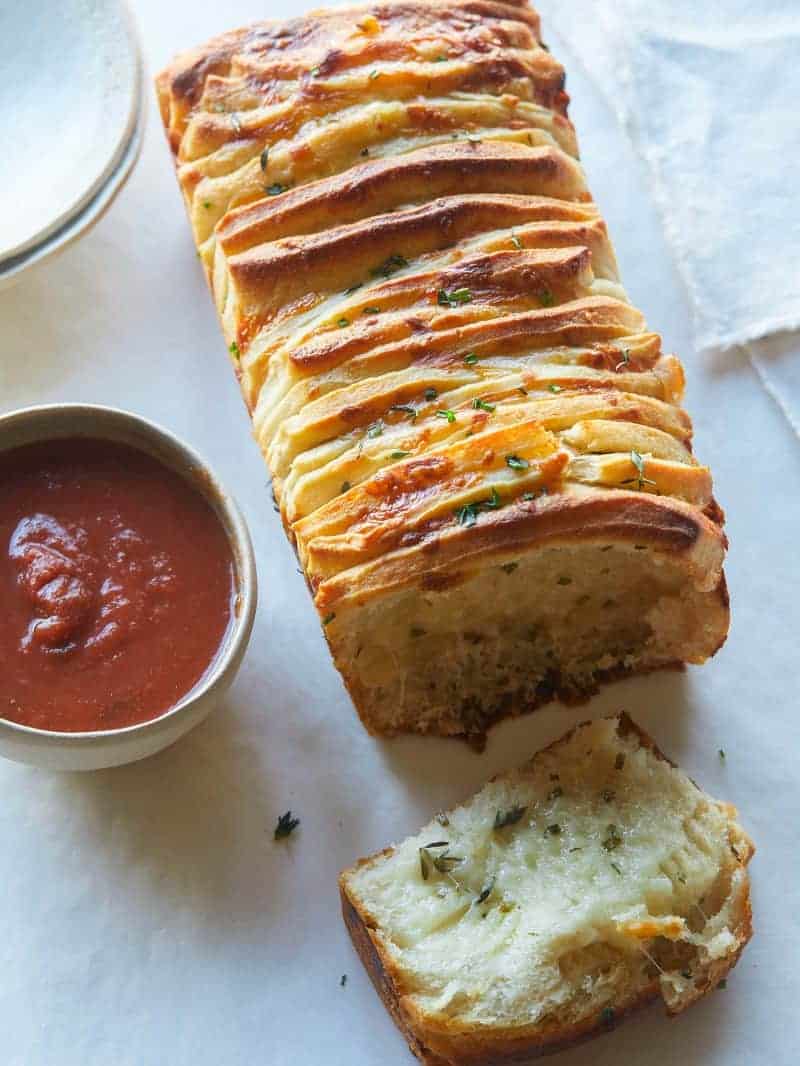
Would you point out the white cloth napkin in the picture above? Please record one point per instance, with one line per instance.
(710, 94)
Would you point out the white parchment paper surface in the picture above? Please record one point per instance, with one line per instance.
(147, 916)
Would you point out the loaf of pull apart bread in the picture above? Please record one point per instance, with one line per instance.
(477, 446)
(562, 896)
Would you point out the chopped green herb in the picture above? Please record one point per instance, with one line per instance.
(326, 621)
(207, 204)
(342, 322)
(681, 878)
(470, 359)
(406, 409)
(516, 242)
(442, 819)
(389, 266)
(546, 298)
(431, 394)
(686, 975)
(722, 985)
(440, 59)
(399, 454)
(346, 486)
(375, 430)
(264, 159)
(554, 829)
(468, 514)
(371, 311)
(314, 72)
(640, 479)
(607, 1015)
(482, 405)
(486, 891)
(343, 980)
(442, 863)
(233, 348)
(517, 463)
(625, 360)
(509, 568)
(286, 825)
(275, 189)
(364, 152)
(608, 794)
(445, 862)
(373, 74)
(554, 388)
(502, 819)
(449, 415)
(721, 754)
(616, 869)
(453, 298)
(528, 496)
(352, 289)
(424, 864)
(612, 839)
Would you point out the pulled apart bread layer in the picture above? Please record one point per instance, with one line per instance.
(562, 896)
(477, 446)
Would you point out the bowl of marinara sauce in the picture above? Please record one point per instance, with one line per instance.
(127, 587)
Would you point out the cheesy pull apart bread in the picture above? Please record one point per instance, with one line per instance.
(562, 896)
(477, 446)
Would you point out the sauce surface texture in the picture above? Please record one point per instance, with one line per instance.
(116, 586)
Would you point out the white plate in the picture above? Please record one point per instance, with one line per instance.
(76, 72)
(76, 224)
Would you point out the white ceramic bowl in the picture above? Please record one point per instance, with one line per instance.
(113, 747)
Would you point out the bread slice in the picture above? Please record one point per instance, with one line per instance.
(563, 895)
(476, 443)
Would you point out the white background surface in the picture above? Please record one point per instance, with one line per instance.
(147, 915)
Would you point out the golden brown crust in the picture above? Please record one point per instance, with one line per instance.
(381, 185)
(339, 38)
(442, 1041)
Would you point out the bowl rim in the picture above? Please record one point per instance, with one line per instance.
(204, 480)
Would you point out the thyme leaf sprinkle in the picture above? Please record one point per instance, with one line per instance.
(517, 463)
(286, 825)
(453, 298)
(502, 819)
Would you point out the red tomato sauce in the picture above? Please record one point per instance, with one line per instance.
(116, 586)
